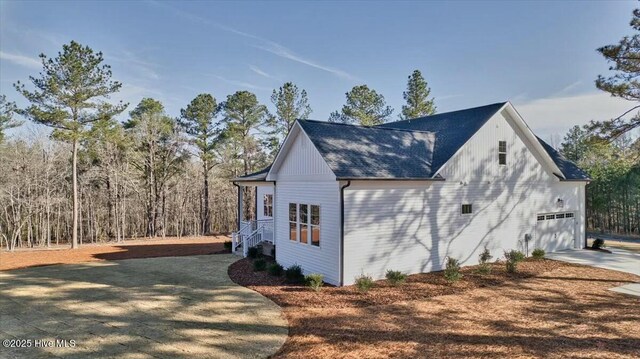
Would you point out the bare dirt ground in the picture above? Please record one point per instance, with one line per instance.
(139, 248)
(550, 310)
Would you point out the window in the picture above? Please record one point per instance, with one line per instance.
(467, 209)
(559, 215)
(550, 216)
(304, 223)
(293, 221)
(568, 215)
(502, 153)
(541, 218)
(315, 225)
(268, 205)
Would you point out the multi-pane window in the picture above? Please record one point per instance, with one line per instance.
(268, 205)
(569, 215)
(467, 209)
(315, 225)
(304, 223)
(541, 218)
(502, 152)
(550, 216)
(559, 215)
(293, 221)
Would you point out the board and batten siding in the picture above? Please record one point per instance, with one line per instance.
(413, 226)
(304, 177)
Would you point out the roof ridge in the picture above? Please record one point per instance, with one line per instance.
(444, 113)
(376, 127)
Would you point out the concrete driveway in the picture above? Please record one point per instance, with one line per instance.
(619, 260)
(172, 307)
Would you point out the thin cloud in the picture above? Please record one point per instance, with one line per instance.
(242, 84)
(263, 73)
(570, 87)
(21, 60)
(265, 44)
(143, 67)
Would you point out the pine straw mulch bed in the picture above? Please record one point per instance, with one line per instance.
(548, 309)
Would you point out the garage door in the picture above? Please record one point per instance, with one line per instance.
(555, 231)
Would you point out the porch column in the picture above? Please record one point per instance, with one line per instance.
(240, 204)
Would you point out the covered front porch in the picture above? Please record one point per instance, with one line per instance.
(255, 213)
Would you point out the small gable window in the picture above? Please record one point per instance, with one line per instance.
(502, 153)
(467, 209)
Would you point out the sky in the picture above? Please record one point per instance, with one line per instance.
(539, 55)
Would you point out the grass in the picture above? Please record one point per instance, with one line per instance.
(546, 309)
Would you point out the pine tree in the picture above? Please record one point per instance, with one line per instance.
(7, 113)
(364, 107)
(417, 97)
(199, 121)
(575, 144)
(69, 95)
(291, 104)
(625, 83)
(243, 117)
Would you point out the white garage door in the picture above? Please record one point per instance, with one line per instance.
(555, 231)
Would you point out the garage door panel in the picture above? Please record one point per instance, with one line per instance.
(555, 231)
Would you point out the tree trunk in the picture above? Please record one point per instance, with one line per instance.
(74, 230)
(207, 216)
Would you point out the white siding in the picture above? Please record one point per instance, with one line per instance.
(304, 177)
(414, 226)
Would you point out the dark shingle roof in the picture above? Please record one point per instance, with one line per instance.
(372, 152)
(409, 149)
(256, 176)
(451, 129)
(569, 169)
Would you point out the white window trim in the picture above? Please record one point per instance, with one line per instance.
(504, 153)
(309, 225)
(465, 204)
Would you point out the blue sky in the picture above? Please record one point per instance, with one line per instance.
(539, 55)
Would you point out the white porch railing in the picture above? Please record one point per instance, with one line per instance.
(251, 234)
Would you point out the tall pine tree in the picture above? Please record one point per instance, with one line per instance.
(69, 95)
(291, 104)
(417, 97)
(364, 107)
(199, 121)
(625, 83)
(7, 116)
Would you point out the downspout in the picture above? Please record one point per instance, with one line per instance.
(342, 232)
(238, 206)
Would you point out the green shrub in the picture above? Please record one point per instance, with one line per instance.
(314, 281)
(513, 257)
(227, 245)
(364, 283)
(452, 270)
(538, 253)
(259, 265)
(275, 269)
(255, 252)
(597, 243)
(396, 277)
(484, 267)
(294, 274)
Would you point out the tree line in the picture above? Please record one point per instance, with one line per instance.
(153, 174)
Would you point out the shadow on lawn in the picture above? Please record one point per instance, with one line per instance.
(162, 250)
(164, 307)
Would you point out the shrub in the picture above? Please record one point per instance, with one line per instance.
(227, 245)
(538, 253)
(396, 277)
(314, 281)
(275, 269)
(254, 252)
(452, 270)
(597, 243)
(259, 265)
(513, 257)
(364, 283)
(294, 274)
(484, 267)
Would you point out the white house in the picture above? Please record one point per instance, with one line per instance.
(345, 200)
